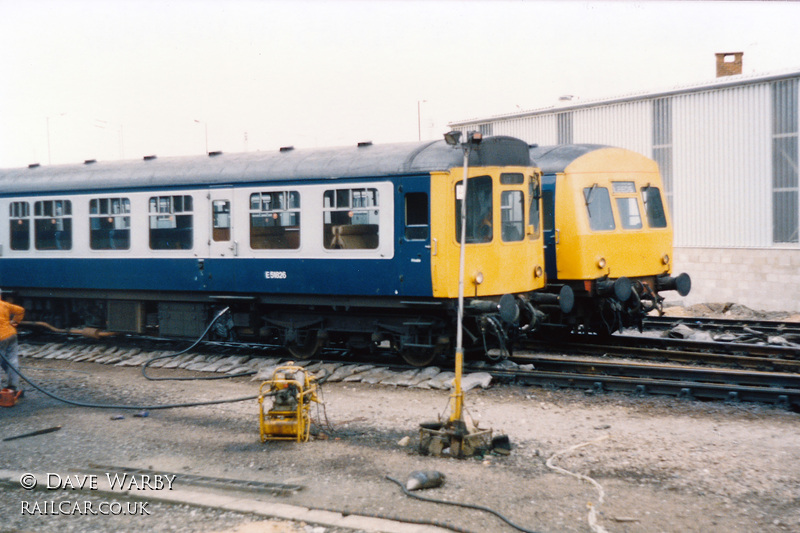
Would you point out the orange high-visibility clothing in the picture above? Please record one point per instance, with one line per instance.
(7, 313)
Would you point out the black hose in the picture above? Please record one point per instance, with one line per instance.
(142, 407)
(459, 504)
(195, 343)
(113, 406)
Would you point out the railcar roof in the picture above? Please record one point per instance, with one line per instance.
(552, 159)
(223, 169)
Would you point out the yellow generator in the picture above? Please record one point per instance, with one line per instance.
(292, 390)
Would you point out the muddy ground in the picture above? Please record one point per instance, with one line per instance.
(661, 464)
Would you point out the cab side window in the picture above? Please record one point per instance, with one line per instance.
(653, 207)
(534, 210)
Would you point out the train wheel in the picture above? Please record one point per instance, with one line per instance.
(419, 356)
(307, 347)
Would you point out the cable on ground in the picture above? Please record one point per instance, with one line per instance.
(596, 528)
(460, 504)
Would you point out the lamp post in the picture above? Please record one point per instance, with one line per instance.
(419, 119)
(206, 127)
(461, 436)
(457, 399)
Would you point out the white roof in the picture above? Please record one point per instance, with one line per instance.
(716, 83)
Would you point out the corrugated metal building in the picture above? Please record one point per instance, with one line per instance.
(728, 153)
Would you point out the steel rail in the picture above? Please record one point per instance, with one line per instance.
(771, 327)
(789, 398)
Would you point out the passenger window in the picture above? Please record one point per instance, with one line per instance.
(20, 225)
(350, 219)
(221, 220)
(598, 206)
(479, 210)
(53, 224)
(417, 223)
(275, 220)
(171, 223)
(512, 216)
(109, 224)
(653, 208)
(629, 213)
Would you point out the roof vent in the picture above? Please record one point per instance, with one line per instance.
(364, 143)
(90, 162)
(34, 165)
(215, 153)
(286, 148)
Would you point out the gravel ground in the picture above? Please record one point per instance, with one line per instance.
(660, 464)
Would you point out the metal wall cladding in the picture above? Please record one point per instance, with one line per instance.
(722, 168)
(716, 158)
(626, 125)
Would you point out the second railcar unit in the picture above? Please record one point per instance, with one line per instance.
(355, 246)
(608, 234)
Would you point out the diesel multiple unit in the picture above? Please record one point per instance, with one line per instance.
(355, 246)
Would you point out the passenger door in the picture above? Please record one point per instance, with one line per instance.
(222, 240)
(549, 222)
(414, 245)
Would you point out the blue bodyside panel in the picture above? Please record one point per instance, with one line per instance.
(353, 277)
(406, 274)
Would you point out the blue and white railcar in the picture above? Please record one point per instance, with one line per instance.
(288, 239)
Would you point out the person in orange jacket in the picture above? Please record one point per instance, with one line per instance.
(10, 317)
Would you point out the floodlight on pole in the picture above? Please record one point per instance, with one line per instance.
(473, 140)
(461, 436)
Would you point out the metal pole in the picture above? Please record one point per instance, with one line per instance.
(419, 122)
(49, 159)
(419, 119)
(205, 124)
(458, 395)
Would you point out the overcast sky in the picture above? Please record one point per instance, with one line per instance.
(111, 79)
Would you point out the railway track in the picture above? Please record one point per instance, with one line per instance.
(641, 364)
(749, 370)
(746, 330)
